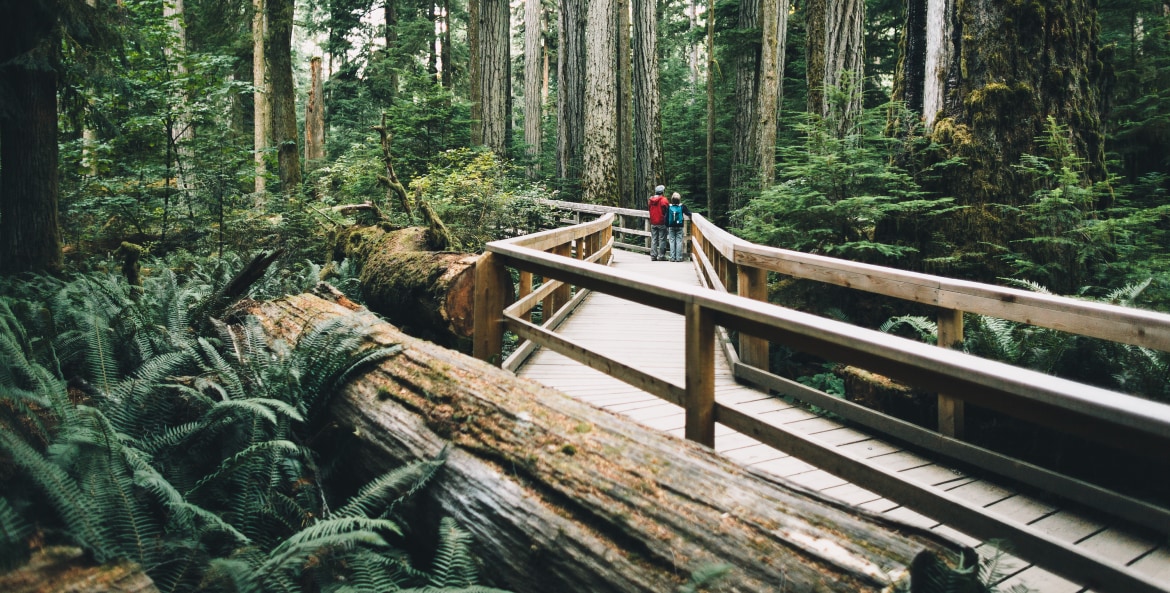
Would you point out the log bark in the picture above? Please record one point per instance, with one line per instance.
(562, 496)
(58, 569)
(429, 294)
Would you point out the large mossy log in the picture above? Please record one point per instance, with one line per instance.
(563, 496)
(429, 294)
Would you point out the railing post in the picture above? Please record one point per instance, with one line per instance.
(753, 284)
(562, 294)
(488, 316)
(950, 409)
(526, 289)
(700, 379)
(648, 231)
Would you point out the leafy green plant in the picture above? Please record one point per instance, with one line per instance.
(835, 190)
(182, 452)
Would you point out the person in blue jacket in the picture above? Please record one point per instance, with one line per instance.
(675, 216)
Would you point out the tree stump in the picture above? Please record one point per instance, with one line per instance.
(563, 496)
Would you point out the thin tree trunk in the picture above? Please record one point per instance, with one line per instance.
(571, 97)
(260, 96)
(475, 68)
(715, 208)
(284, 117)
(446, 78)
(650, 168)
(315, 117)
(390, 11)
(533, 112)
(814, 53)
(599, 170)
(625, 116)
(30, 238)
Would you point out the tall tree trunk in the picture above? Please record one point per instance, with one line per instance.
(991, 74)
(650, 168)
(475, 69)
(533, 106)
(625, 106)
(494, 78)
(432, 52)
(744, 141)
(30, 238)
(814, 55)
(716, 208)
(835, 52)
(182, 132)
(315, 117)
(571, 97)
(390, 12)
(599, 170)
(446, 78)
(278, 47)
(845, 53)
(773, 34)
(693, 52)
(260, 96)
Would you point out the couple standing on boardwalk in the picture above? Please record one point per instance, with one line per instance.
(666, 225)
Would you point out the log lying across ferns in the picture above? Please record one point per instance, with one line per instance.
(562, 496)
(428, 293)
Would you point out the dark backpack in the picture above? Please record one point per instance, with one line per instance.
(674, 216)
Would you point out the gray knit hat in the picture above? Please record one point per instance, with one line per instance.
(659, 189)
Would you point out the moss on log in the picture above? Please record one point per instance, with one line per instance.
(429, 294)
(562, 496)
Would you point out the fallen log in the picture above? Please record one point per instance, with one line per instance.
(429, 294)
(67, 569)
(562, 496)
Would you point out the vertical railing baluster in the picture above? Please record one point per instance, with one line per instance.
(488, 317)
(950, 409)
(700, 375)
(753, 284)
(526, 289)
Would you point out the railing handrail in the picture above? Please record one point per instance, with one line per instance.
(914, 362)
(1149, 329)
(1100, 413)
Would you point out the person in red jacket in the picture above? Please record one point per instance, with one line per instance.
(658, 205)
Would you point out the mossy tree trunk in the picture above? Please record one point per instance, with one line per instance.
(988, 74)
(562, 496)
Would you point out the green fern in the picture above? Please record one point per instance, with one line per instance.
(704, 577)
(14, 534)
(392, 488)
(453, 565)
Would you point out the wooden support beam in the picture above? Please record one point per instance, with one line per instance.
(950, 409)
(488, 341)
(700, 381)
(753, 284)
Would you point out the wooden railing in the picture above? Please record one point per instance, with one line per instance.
(727, 261)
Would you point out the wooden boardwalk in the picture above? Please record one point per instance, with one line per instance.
(653, 341)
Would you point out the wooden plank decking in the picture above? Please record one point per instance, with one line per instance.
(653, 341)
